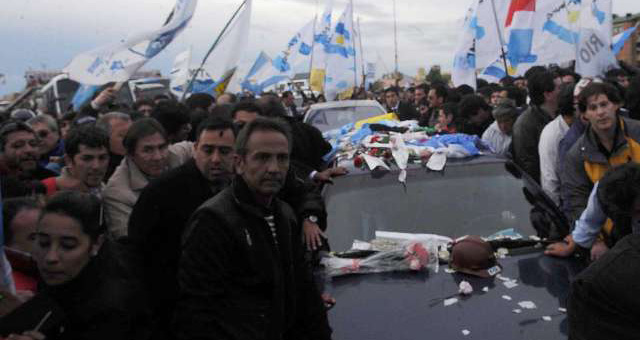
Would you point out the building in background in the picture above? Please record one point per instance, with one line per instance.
(631, 51)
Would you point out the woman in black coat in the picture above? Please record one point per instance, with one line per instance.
(86, 291)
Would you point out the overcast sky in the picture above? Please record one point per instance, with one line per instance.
(41, 34)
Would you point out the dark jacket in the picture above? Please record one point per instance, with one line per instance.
(405, 111)
(604, 302)
(155, 228)
(526, 136)
(240, 281)
(103, 302)
(308, 148)
(161, 213)
(585, 163)
(575, 131)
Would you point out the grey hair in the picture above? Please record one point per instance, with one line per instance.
(261, 124)
(44, 119)
(105, 121)
(506, 108)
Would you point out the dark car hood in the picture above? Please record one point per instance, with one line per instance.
(406, 305)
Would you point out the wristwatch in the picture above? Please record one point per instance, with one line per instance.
(312, 218)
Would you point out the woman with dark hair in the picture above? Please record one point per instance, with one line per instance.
(86, 292)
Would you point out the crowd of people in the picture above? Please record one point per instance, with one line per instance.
(198, 220)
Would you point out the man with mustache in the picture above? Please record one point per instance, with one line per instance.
(163, 209)
(19, 156)
(242, 272)
(86, 158)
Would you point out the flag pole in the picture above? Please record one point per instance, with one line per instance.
(395, 41)
(353, 42)
(500, 37)
(215, 43)
(361, 52)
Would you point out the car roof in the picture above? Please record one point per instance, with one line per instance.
(344, 103)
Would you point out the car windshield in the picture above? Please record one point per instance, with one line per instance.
(465, 199)
(333, 118)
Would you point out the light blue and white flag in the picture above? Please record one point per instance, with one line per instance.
(621, 38)
(262, 75)
(594, 56)
(341, 57)
(180, 72)
(322, 37)
(494, 72)
(118, 62)
(223, 61)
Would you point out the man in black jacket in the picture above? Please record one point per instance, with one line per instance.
(165, 205)
(543, 90)
(242, 273)
(404, 110)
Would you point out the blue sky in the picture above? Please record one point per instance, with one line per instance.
(40, 34)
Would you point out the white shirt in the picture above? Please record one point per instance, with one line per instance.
(498, 141)
(548, 150)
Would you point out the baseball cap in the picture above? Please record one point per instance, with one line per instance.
(474, 256)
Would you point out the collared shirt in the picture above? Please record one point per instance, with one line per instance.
(548, 149)
(498, 141)
(588, 226)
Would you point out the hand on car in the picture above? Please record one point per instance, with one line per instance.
(598, 249)
(312, 235)
(561, 249)
(327, 175)
(28, 335)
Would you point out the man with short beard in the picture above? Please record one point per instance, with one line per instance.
(19, 146)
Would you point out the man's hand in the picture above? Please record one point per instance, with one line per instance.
(28, 335)
(561, 249)
(106, 96)
(327, 175)
(598, 249)
(312, 235)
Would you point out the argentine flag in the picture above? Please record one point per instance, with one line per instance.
(621, 38)
(118, 62)
(341, 57)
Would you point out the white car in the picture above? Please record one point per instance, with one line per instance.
(332, 115)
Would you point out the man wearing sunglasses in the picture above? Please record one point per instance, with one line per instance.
(51, 145)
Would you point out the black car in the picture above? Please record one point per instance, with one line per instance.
(477, 196)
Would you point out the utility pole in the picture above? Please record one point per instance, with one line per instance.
(395, 41)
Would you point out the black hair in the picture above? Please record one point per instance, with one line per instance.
(248, 106)
(507, 80)
(393, 89)
(632, 99)
(143, 102)
(286, 94)
(82, 207)
(200, 100)
(618, 190)
(518, 95)
(539, 83)
(10, 209)
(11, 126)
(261, 124)
(470, 104)
(565, 100)
(172, 115)
(480, 83)
(139, 129)
(453, 96)
(464, 90)
(450, 109)
(215, 124)
(535, 69)
(441, 91)
(568, 72)
(271, 106)
(595, 89)
(88, 135)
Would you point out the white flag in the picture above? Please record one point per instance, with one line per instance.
(464, 62)
(180, 74)
(322, 36)
(594, 56)
(341, 62)
(222, 63)
(118, 62)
